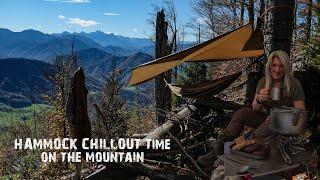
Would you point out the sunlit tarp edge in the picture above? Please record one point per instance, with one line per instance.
(216, 49)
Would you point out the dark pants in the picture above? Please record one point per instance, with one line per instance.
(247, 117)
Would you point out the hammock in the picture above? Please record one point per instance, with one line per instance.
(205, 88)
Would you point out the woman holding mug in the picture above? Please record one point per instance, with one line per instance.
(278, 75)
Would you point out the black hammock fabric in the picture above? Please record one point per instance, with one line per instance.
(208, 87)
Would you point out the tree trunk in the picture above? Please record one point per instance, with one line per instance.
(251, 11)
(162, 93)
(253, 79)
(308, 20)
(260, 19)
(317, 12)
(235, 13)
(199, 34)
(241, 12)
(77, 114)
(279, 25)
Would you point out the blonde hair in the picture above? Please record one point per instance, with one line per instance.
(284, 59)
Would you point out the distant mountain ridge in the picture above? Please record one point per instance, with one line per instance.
(32, 44)
(30, 35)
(98, 63)
(107, 39)
(22, 81)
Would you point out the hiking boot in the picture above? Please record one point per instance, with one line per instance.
(218, 149)
(222, 138)
(207, 159)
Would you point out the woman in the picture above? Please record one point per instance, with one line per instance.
(277, 74)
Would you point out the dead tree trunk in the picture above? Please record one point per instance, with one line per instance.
(76, 108)
(167, 126)
(76, 112)
(279, 25)
(162, 93)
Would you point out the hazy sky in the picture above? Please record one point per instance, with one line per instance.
(123, 17)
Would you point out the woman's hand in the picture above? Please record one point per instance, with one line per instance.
(264, 94)
(267, 119)
(260, 98)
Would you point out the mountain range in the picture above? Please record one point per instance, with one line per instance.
(23, 82)
(36, 45)
(112, 39)
(26, 55)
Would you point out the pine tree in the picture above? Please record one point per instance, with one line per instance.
(194, 73)
(113, 107)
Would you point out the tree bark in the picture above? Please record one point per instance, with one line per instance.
(279, 25)
(162, 93)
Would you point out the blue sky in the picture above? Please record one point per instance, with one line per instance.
(123, 17)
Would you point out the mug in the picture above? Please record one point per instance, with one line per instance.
(276, 94)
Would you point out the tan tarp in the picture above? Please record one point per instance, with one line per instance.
(240, 43)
